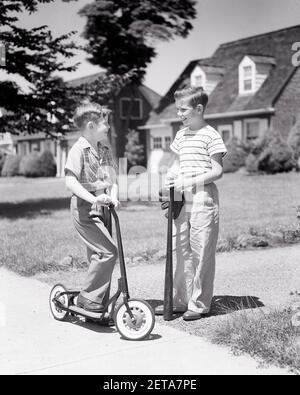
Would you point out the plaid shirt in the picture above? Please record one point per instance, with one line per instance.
(91, 168)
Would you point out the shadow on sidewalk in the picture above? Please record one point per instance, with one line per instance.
(223, 304)
(98, 328)
(33, 208)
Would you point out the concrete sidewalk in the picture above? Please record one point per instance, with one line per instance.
(32, 342)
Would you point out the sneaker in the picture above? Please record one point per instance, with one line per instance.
(88, 305)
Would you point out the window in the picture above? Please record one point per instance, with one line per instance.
(167, 142)
(252, 130)
(157, 142)
(226, 135)
(247, 78)
(225, 131)
(35, 147)
(132, 108)
(198, 80)
(198, 77)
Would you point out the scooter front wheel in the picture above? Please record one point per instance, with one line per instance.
(142, 323)
(57, 313)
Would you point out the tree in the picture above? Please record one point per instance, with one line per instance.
(122, 33)
(35, 55)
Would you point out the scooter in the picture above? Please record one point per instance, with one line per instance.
(134, 318)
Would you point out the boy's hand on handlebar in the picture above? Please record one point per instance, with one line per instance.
(176, 182)
(116, 203)
(102, 200)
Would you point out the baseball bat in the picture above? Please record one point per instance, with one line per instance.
(168, 295)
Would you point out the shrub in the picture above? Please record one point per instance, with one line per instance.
(251, 163)
(11, 166)
(35, 165)
(235, 157)
(134, 151)
(48, 165)
(270, 154)
(294, 140)
(2, 160)
(30, 165)
(278, 157)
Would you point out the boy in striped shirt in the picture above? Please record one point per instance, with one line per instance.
(198, 150)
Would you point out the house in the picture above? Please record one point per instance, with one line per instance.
(132, 107)
(253, 87)
(6, 141)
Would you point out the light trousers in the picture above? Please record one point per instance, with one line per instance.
(102, 252)
(195, 235)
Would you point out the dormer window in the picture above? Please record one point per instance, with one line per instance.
(253, 71)
(248, 78)
(198, 80)
(198, 77)
(207, 75)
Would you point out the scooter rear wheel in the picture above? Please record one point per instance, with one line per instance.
(57, 313)
(144, 320)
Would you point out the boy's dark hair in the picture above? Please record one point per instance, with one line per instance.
(89, 112)
(194, 95)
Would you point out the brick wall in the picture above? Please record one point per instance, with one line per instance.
(288, 106)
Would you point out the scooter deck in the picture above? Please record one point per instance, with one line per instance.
(84, 313)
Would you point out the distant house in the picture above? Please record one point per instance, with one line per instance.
(132, 107)
(252, 86)
(6, 140)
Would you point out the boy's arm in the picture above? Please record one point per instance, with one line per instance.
(214, 174)
(114, 193)
(174, 169)
(74, 186)
(188, 183)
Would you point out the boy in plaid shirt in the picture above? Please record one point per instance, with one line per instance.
(91, 177)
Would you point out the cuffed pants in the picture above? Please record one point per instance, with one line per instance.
(195, 235)
(102, 252)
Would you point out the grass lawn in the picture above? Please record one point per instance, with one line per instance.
(272, 338)
(36, 231)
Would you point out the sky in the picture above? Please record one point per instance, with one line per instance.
(217, 22)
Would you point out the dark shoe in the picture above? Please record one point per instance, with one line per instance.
(159, 310)
(105, 321)
(88, 305)
(191, 315)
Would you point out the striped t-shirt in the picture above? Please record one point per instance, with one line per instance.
(196, 147)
